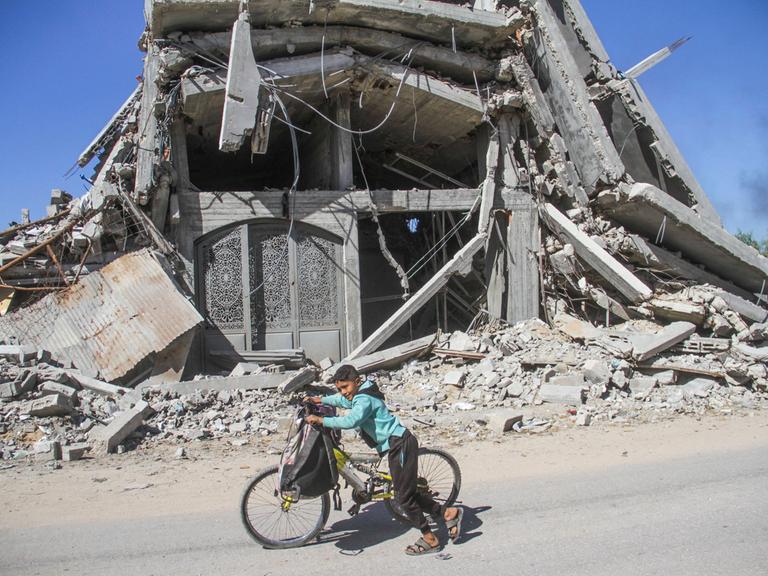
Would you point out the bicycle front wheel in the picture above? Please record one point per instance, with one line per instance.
(276, 522)
(439, 478)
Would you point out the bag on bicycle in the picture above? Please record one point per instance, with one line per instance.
(308, 464)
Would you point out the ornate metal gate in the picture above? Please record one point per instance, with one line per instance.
(294, 289)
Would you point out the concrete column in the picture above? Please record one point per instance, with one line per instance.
(522, 259)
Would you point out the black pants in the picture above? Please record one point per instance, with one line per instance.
(404, 467)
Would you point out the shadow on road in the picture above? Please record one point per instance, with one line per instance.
(374, 525)
(471, 523)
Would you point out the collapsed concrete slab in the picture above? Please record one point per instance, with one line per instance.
(645, 209)
(597, 258)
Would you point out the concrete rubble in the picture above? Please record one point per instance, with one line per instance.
(517, 247)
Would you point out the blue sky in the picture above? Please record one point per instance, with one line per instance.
(71, 63)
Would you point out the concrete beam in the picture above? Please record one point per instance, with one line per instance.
(649, 211)
(661, 260)
(147, 154)
(563, 86)
(458, 263)
(197, 90)
(424, 19)
(241, 102)
(523, 246)
(391, 357)
(595, 256)
(275, 43)
(672, 334)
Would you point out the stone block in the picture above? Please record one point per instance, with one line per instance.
(552, 393)
(325, 364)
(596, 371)
(74, 451)
(24, 383)
(47, 450)
(462, 342)
(238, 427)
(492, 380)
(244, 368)
(7, 390)
(642, 384)
(107, 438)
(502, 422)
(666, 377)
(51, 405)
(574, 379)
(515, 389)
(55, 388)
(698, 387)
(455, 378)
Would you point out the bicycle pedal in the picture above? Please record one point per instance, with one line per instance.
(354, 510)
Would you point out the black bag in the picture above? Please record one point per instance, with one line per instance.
(308, 464)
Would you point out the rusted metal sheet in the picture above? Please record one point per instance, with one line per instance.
(109, 321)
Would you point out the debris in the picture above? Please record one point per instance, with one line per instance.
(668, 337)
(298, 380)
(454, 378)
(552, 393)
(51, 405)
(583, 418)
(106, 439)
(74, 452)
(589, 251)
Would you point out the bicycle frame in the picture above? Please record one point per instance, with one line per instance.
(346, 466)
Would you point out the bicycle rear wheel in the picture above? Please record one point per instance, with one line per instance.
(439, 476)
(274, 521)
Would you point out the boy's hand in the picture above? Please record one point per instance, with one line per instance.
(314, 420)
(313, 399)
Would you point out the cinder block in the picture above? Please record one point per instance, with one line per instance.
(74, 452)
(555, 394)
(56, 388)
(574, 379)
(52, 405)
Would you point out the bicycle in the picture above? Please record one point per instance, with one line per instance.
(280, 520)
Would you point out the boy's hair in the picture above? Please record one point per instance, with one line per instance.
(346, 372)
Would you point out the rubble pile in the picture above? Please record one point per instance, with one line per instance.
(199, 415)
(467, 386)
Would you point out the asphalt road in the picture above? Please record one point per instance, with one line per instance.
(701, 515)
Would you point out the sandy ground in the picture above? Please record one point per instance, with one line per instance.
(154, 483)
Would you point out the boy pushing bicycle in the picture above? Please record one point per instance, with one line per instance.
(384, 431)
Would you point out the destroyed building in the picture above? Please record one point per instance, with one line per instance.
(323, 179)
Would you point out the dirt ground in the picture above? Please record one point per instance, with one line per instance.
(155, 482)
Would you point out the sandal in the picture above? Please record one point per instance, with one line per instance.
(455, 522)
(421, 547)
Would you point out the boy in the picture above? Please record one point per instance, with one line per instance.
(369, 413)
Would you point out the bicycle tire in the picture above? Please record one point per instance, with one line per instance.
(265, 520)
(435, 466)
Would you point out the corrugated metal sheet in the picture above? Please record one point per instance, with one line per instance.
(110, 320)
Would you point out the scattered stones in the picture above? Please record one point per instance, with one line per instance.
(454, 378)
